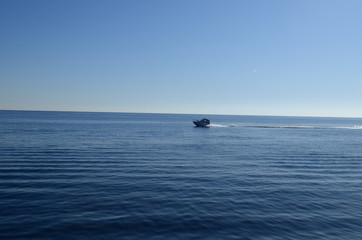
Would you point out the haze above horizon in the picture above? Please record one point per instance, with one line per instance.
(252, 57)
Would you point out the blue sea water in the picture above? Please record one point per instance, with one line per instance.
(76, 175)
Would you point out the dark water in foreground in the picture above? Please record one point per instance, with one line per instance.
(154, 176)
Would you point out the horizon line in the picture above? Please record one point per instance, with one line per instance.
(176, 113)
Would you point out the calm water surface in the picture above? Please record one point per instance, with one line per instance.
(70, 175)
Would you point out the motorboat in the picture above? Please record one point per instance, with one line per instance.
(202, 123)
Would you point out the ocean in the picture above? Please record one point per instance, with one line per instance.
(78, 175)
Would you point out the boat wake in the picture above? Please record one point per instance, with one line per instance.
(290, 127)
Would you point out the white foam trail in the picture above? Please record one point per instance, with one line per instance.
(290, 127)
(353, 127)
(217, 125)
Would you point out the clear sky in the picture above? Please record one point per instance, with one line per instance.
(252, 57)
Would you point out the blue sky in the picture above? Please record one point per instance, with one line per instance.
(252, 57)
